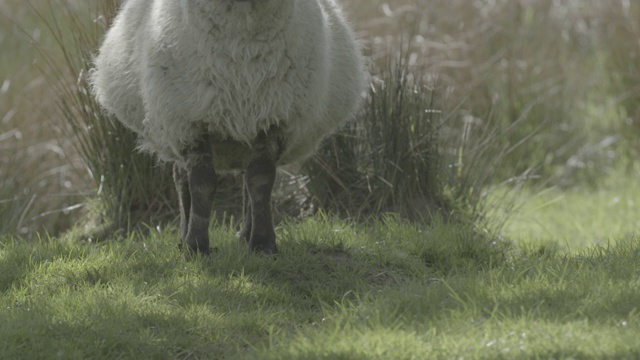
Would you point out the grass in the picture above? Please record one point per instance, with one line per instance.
(386, 289)
(575, 218)
(388, 159)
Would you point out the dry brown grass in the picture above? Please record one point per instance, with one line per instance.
(565, 73)
(44, 181)
(40, 177)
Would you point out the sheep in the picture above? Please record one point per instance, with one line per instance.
(229, 85)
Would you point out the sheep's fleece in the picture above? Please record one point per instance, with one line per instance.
(171, 70)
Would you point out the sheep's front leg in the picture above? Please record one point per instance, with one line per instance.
(202, 181)
(259, 179)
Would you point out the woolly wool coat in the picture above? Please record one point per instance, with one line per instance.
(171, 70)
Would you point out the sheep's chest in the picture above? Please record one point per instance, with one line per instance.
(239, 87)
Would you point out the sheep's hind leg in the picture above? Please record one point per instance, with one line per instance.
(245, 232)
(202, 181)
(259, 180)
(184, 197)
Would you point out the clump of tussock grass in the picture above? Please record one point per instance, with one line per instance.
(413, 150)
(387, 160)
(537, 68)
(131, 187)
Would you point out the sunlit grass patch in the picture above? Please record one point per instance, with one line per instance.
(578, 217)
(543, 305)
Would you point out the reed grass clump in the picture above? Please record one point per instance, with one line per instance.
(387, 160)
(130, 187)
(546, 73)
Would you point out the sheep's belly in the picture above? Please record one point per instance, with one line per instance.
(230, 155)
(244, 106)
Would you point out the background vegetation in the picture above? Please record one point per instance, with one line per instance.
(465, 95)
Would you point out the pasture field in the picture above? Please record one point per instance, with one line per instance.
(380, 290)
(538, 135)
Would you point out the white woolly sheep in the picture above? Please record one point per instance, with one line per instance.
(242, 84)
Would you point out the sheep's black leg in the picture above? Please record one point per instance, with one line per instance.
(201, 177)
(184, 198)
(245, 233)
(259, 180)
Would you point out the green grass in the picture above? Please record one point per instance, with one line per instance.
(578, 217)
(387, 289)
